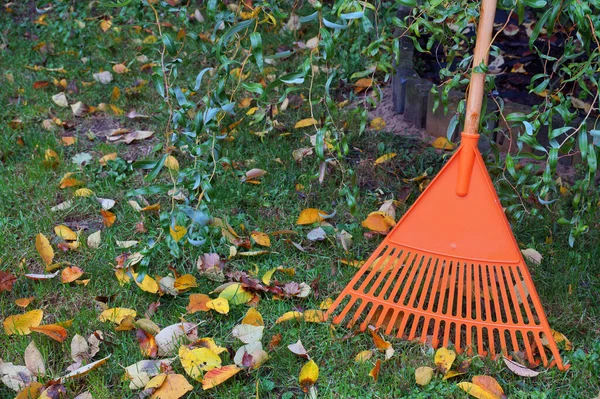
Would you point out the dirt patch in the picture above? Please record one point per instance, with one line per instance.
(78, 222)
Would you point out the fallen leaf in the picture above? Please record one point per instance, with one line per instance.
(106, 203)
(22, 302)
(185, 282)
(44, 248)
(476, 391)
(489, 384)
(177, 232)
(317, 234)
(198, 303)
(94, 239)
(21, 324)
(70, 274)
(108, 157)
(379, 222)
(253, 318)
(385, 158)
(104, 77)
(362, 84)
(120, 68)
(423, 375)
(15, 377)
(116, 315)
(34, 276)
(310, 216)
(235, 294)
(31, 391)
(248, 333)
(442, 143)
(147, 283)
(261, 238)
(443, 359)
(363, 356)
(83, 192)
(60, 99)
(139, 374)
(34, 360)
(219, 375)
(532, 255)
(293, 315)
(105, 24)
(519, 369)
(375, 370)
(195, 361)
(308, 375)
(298, 349)
(558, 338)
(314, 316)
(306, 122)
(80, 372)
(54, 331)
(377, 124)
(7, 281)
(170, 337)
(108, 218)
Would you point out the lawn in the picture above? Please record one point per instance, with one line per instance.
(44, 54)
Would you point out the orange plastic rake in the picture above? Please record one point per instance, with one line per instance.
(451, 270)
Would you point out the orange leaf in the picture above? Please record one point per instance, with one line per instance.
(70, 274)
(24, 302)
(198, 303)
(108, 217)
(173, 387)
(310, 216)
(219, 375)
(375, 370)
(54, 331)
(147, 343)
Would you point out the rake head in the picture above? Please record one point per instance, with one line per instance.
(451, 272)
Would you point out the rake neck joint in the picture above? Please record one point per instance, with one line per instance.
(466, 161)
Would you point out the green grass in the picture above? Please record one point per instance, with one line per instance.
(567, 280)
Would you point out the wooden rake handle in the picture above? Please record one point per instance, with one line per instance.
(470, 134)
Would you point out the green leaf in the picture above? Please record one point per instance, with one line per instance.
(169, 44)
(257, 49)
(309, 18)
(327, 42)
(199, 78)
(156, 170)
(538, 27)
(333, 25)
(407, 3)
(159, 84)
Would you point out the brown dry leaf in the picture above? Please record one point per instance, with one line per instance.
(108, 218)
(170, 337)
(306, 122)
(120, 68)
(34, 360)
(298, 349)
(532, 255)
(7, 281)
(60, 99)
(104, 77)
(44, 248)
(253, 174)
(308, 375)
(423, 375)
(198, 303)
(219, 375)
(55, 331)
(21, 324)
(442, 143)
(70, 274)
(16, 377)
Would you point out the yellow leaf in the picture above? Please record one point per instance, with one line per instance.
(476, 391)
(172, 163)
(108, 157)
(287, 316)
(65, 233)
(44, 248)
(442, 143)
(252, 111)
(177, 232)
(83, 192)
(444, 359)
(306, 122)
(364, 83)
(174, 386)
(195, 361)
(489, 384)
(314, 316)
(116, 94)
(245, 102)
(451, 374)
(51, 158)
(150, 208)
(261, 238)
(219, 305)
(20, 324)
(147, 284)
(385, 158)
(363, 356)
(326, 304)
(253, 318)
(185, 282)
(68, 140)
(116, 315)
(378, 221)
(423, 375)
(116, 110)
(377, 123)
(217, 376)
(105, 24)
(308, 375)
(310, 216)
(236, 294)
(558, 338)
